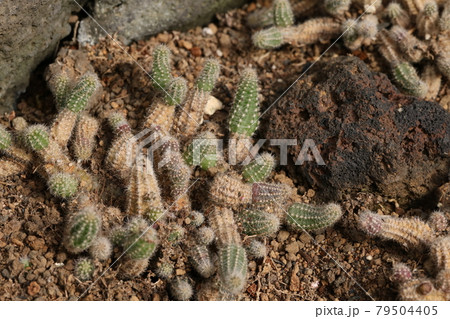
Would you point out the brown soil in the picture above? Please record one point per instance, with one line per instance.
(34, 265)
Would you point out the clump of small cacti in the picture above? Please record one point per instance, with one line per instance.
(420, 32)
(413, 233)
(161, 222)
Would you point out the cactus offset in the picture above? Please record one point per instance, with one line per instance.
(259, 169)
(309, 217)
(101, 248)
(161, 68)
(84, 268)
(222, 222)
(397, 15)
(202, 151)
(337, 7)
(141, 241)
(84, 140)
(82, 229)
(201, 261)
(271, 38)
(205, 235)
(233, 268)
(63, 185)
(406, 76)
(256, 249)
(282, 13)
(181, 289)
(258, 223)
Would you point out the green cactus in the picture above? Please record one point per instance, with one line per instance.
(302, 216)
(152, 215)
(233, 268)
(165, 270)
(268, 39)
(202, 151)
(37, 138)
(337, 7)
(118, 123)
(161, 68)
(118, 236)
(282, 12)
(5, 138)
(181, 289)
(79, 97)
(84, 268)
(82, 229)
(63, 185)
(201, 261)
(176, 233)
(208, 77)
(258, 223)
(259, 169)
(177, 91)
(142, 240)
(245, 111)
(406, 76)
(61, 89)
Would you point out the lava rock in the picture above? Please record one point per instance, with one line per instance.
(29, 33)
(370, 136)
(135, 19)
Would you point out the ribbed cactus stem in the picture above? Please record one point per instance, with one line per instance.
(181, 289)
(337, 7)
(268, 39)
(5, 138)
(270, 192)
(259, 169)
(142, 240)
(200, 259)
(312, 31)
(222, 222)
(188, 118)
(37, 137)
(177, 92)
(82, 229)
(409, 232)
(440, 252)
(438, 221)
(401, 273)
(258, 223)
(245, 111)
(303, 216)
(84, 268)
(63, 185)
(282, 12)
(161, 67)
(203, 151)
(427, 19)
(118, 236)
(228, 189)
(84, 142)
(79, 97)
(406, 77)
(205, 235)
(412, 48)
(233, 268)
(60, 87)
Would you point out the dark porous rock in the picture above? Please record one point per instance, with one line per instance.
(370, 136)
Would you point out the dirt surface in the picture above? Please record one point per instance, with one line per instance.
(340, 263)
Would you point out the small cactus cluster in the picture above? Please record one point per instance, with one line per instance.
(413, 233)
(243, 205)
(408, 34)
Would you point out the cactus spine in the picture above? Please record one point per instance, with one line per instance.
(205, 235)
(84, 268)
(397, 14)
(82, 229)
(256, 249)
(308, 217)
(181, 289)
(101, 248)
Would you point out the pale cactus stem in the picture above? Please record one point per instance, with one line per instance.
(352, 40)
(397, 15)
(312, 31)
(337, 7)
(408, 232)
(256, 249)
(427, 19)
(420, 290)
(101, 248)
(261, 18)
(200, 259)
(440, 252)
(229, 189)
(401, 273)
(412, 48)
(84, 140)
(181, 289)
(301, 216)
(222, 222)
(205, 235)
(438, 221)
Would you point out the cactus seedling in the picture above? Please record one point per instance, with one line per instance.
(82, 229)
(196, 218)
(308, 217)
(161, 67)
(401, 273)
(60, 85)
(84, 268)
(5, 139)
(85, 133)
(282, 12)
(142, 240)
(222, 222)
(427, 19)
(205, 235)
(258, 223)
(271, 38)
(181, 289)
(176, 233)
(165, 270)
(438, 221)
(63, 185)
(37, 137)
(406, 77)
(118, 236)
(233, 268)
(337, 7)
(408, 232)
(259, 169)
(256, 249)
(397, 14)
